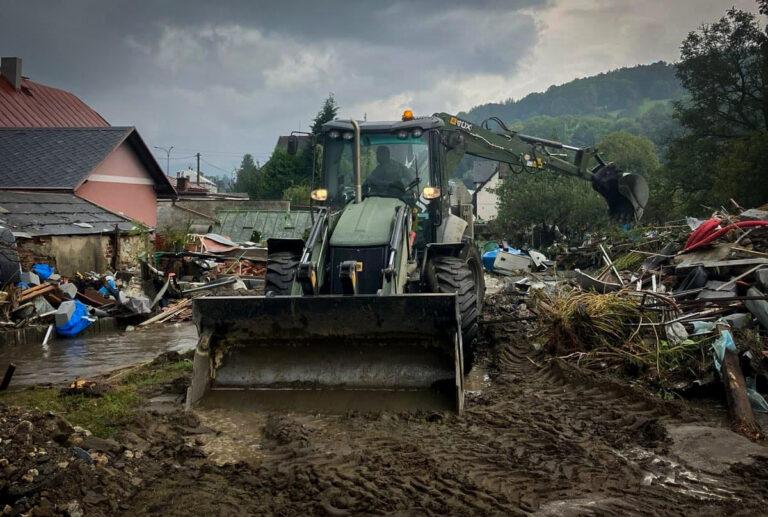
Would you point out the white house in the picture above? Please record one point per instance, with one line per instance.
(485, 175)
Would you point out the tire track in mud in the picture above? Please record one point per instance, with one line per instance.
(541, 437)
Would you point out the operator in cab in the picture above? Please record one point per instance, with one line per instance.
(388, 172)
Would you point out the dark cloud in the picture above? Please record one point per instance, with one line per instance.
(228, 77)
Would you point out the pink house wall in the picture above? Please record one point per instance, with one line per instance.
(121, 184)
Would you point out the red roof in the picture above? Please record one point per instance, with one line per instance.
(37, 105)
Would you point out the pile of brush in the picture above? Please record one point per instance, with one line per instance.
(612, 331)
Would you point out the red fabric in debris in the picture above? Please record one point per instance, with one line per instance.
(713, 233)
(703, 229)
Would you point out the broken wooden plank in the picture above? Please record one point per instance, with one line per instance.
(29, 294)
(166, 314)
(723, 263)
(739, 408)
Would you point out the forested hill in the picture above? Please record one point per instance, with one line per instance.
(622, 92)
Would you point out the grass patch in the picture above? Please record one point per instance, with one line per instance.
(103, 415)
(152, 375)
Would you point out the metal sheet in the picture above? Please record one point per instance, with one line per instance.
(239, 225)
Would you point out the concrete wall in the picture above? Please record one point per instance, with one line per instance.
(180, 214)
(121, 184)
(487, 201)
(70, 254)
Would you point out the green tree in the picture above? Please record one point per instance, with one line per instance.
(279, 173)
(724, 68)
(298, 195)
(248, 177)
(632, 153)
(327, 113)
(547, 199)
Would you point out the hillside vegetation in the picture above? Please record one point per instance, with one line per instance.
(624, 92)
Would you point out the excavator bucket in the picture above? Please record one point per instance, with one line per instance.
(626, 193)
(328, 353)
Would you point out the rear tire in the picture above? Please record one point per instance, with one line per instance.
(454, 275)
(281, 270)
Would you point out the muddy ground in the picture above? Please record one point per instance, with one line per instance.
(537, 436)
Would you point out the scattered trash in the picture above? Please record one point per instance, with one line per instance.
(650, 309)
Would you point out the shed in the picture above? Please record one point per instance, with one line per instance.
(68, 232)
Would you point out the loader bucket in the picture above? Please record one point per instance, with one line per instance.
(328, 353)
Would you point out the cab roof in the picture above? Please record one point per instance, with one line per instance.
(423, 123)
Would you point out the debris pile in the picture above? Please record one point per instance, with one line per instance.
(42, 304)
(672, 318)
(209, 257)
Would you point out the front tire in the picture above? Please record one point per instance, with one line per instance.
(281, 270)
(454, 275)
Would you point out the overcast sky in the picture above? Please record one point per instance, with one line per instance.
(226, 78)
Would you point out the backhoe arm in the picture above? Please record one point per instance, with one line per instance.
(626, 194)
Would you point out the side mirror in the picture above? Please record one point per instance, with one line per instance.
(293, 145)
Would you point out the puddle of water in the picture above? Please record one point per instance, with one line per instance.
(476, 380)
(64, 359)
(236, 436)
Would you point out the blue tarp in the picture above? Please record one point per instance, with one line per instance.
(103, 291)
(44, 271)
(77, 323)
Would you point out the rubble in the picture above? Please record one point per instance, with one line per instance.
(157, 292)
(657, 320)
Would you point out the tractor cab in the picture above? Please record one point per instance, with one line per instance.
(398, 161)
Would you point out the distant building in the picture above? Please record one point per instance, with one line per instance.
(485, 179)
(193, 182)
(25, 103)
(109, 166)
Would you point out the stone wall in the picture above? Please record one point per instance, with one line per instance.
(178, 215)
(70, 254)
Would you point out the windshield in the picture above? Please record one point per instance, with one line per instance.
(391, 165)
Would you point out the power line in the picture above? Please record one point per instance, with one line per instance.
(231, 153)
(214, 166)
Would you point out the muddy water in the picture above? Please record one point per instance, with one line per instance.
(64, 359)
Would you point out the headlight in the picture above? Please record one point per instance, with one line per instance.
(402, 134)
(416, 133)
(431, 192)
(348, 136)
(334, 134)
(319, 194)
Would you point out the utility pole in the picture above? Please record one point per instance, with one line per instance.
(167, 158)
(198, 169)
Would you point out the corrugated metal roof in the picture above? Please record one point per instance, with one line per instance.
(239, 225)
(43, 213)
(37, 105)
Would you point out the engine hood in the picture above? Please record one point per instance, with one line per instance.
(368, 223)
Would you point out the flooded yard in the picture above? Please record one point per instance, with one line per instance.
(64, 359)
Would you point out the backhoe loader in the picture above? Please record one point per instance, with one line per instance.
(378, 307)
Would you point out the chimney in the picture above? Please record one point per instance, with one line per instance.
(182, 182)
(10, 68)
